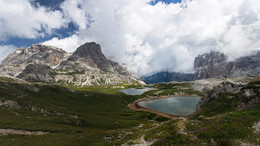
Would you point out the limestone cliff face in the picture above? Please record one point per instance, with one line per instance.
(86, 66)
(210, 65)
(215, 65)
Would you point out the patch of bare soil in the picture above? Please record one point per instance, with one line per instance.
(20, 132)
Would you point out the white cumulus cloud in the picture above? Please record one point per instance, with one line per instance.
(147, 38)
(166, 36)
(18, 18)
(69, 44)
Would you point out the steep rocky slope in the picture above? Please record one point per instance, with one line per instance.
(91, 52)
(86, 66)
(215, 65)
(210, 65)
(15, 63)
(245, 94)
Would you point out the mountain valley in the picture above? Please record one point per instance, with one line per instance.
(51, 97)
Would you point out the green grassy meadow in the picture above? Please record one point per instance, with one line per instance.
(98, 115)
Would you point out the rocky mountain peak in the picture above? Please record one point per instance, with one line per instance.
(43, 48)
(209, 58)
(213, 65)
(36, 53)
(90, 50)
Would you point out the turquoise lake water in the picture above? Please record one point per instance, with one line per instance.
(178, 106)
(136, 91)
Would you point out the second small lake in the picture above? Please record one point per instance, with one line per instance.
(136, 91)
(178, 106)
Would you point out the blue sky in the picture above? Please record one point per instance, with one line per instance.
(169, 1)
(60, 33)
(25, 42)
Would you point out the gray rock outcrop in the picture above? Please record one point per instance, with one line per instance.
(224, 87)
(247, 94)
(9, 104)
(37, 73)
(215, 92)
(256, 128)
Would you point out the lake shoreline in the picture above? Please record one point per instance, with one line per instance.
(135, 106)
(139, 90)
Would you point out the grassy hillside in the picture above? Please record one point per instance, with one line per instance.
(98, 115)
(71, 117)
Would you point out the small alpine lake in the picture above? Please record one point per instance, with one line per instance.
(136, 91)
(177, 106)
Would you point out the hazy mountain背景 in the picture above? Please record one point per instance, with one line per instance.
(47, 64)
(213, 65)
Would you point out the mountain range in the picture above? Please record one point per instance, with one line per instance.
(212, 65)
(89, 66)
(48, 64)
